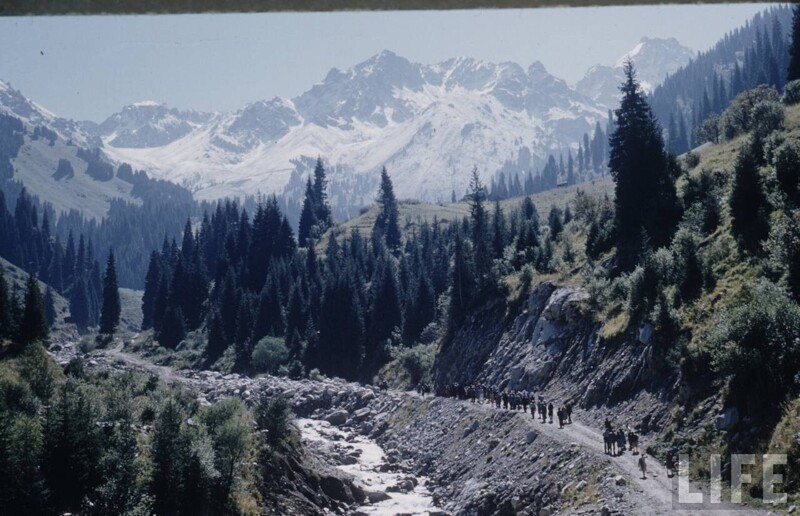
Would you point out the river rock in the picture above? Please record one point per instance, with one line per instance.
(336, 488)
(377, 496)
(337, 418)
(620, 480)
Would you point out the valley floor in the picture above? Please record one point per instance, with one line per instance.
(462, 457)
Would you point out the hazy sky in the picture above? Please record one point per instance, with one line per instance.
(86, 68)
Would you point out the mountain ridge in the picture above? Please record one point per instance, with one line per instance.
(428, 124)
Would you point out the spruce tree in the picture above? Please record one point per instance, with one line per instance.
(217, 343)
(34, 325)
(499, 233)
(109, 315)
(462, 283)
(321, 209)
(308, 218)
(748, 202)
(386, 223)
(646, 204)
(480, 234)
(6, 330)
(793, 72)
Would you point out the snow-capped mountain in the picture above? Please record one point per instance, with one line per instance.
(654, 59)
(428, 124)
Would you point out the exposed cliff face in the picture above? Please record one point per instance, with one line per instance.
(553, 347)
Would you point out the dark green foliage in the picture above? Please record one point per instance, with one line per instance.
(173, 328)
(308, 218)
(701, 196)
(340, 349)
(555, 222)
(756, 53)
(462, 283)
(33, 326)
(386, 223)
(269, 354)
(109, 314)
(688, 264)
(793, 70)
(6, 315)
(479, 224)
(787, 170)
(755, 341)
(385, 313)
(748, 202)
(646, 205)
(72, 446)
(601, 230)
(168, 449)
(25, 241)
(273, 415)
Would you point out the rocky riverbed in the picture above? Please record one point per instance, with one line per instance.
(433, 455)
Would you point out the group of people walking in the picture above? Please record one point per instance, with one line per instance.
(510, 400)
(615, 441)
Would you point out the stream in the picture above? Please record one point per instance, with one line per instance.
(367, 463)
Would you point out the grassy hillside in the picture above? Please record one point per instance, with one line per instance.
(17, 277)
(36, 163)
(413, 213)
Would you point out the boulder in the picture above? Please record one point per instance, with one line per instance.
(337, 418)
(377, 496)
(335, 488)
(530, 437)
(620, 480)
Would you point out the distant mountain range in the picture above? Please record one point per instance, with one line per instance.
(428, 124)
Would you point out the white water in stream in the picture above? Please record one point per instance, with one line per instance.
(366, 472)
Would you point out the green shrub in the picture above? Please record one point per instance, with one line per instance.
(272, 415)
(791, 93)
(756, 341)
(416, 362)
(87, 345)
(691, 159)
(738, 118)
(269, 354)
(768, 116)
(787, 168)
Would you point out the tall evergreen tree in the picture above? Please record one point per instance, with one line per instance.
(793, 72)
(462, 283)
(646, 203)
(322, 210)
(34, 325)
(748, 202)
(499, 232)
(308, 216)
(112, 308)
(480, 234)
(386, 223)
